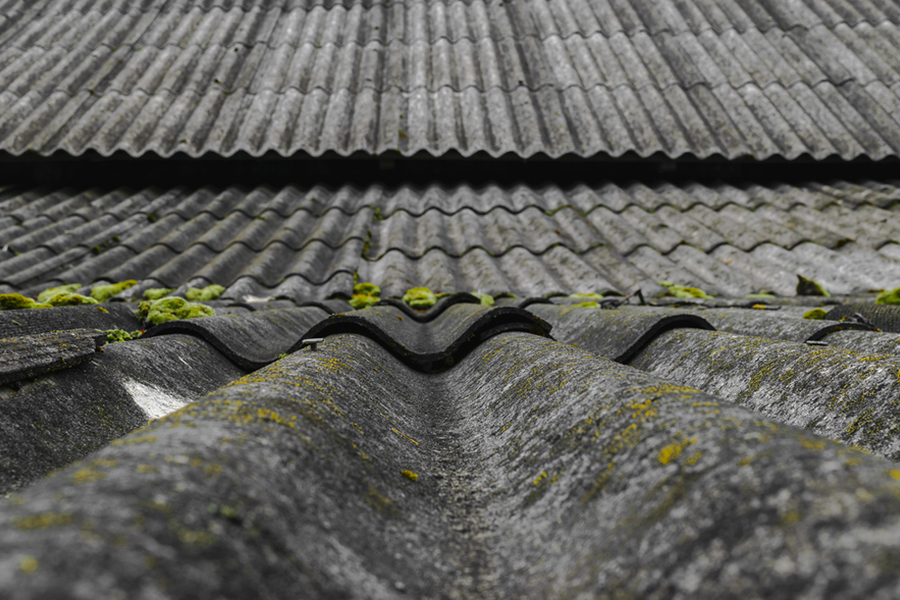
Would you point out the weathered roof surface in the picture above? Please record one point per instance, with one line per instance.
(308, 243)
(541, 471)
(679, 77)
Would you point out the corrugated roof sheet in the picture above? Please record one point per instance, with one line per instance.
(309, 243)
(701, 77)
(528, 468)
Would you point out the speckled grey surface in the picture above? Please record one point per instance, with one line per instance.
(108, 316)
(250, 340)
(542, 472)
(843, 394)
(54, 419)
(435, 343)
(26, 357)
(883, 316)
(615, 334)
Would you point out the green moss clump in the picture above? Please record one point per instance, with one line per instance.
(365, 295)
(157, 293)
(50, 292)
(117, 335)
(18, 302)
(484, 299)
(419, 298)
(808, 287)
(102, 293)
(587, 305)
(586, 296)
(889, 297)
(68, 299)
(761, 295)
(171, 309)
(815, 314)
(210, 292)
(680, 291)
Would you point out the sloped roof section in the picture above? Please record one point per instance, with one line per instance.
(679, 77)
(309, 243)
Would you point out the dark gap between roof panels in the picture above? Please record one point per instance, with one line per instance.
(395, 170)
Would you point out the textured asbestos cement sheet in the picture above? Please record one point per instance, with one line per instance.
(29, 356)
(33, 321)
(434, 345)
(555, 77)
(767, 324)
(252, 340)
(615, 334)
(60, 417)
(842, 394)
(306, 244)
(342, 473)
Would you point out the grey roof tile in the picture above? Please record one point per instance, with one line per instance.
(532, 242)
(352, 415)
(557, 77)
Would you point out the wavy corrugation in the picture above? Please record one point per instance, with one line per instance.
(310, 243)
(701, 78)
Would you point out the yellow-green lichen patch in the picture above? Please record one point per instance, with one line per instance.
(139, 439)
(87, 475)
(675, 290)
(43, 520)
(674, 450)
(420, 298)
(171, 309)
(157, 293)
(410, 475)
(364, 295)
(540, 486)
(210, 292)
(586, 296)
(815, 314)
(28, 565)
(381, 503)
(889, 297)
(808, 287)
(102, 293)
(587, 305)
(59, 289)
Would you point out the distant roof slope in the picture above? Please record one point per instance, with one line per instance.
(679, 77)
(309, 243)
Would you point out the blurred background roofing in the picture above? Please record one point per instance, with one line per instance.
(729, 78)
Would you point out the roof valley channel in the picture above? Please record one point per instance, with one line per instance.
(530, 469)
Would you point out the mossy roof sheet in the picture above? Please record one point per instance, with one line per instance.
(529, 469)
(312, 243)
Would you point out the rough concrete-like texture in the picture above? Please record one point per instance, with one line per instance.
(55, 419)
(842, 394)
(434, 344)
(769, 324)
(529, 470)
(94, 316)
(250, 340)
(616, 334)
(884, 317)
(29, 356)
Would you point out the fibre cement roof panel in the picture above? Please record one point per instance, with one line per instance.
(309, 244)
(697, 77)
(512, 474)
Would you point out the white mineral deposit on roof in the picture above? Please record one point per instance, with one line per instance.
(155, 402)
